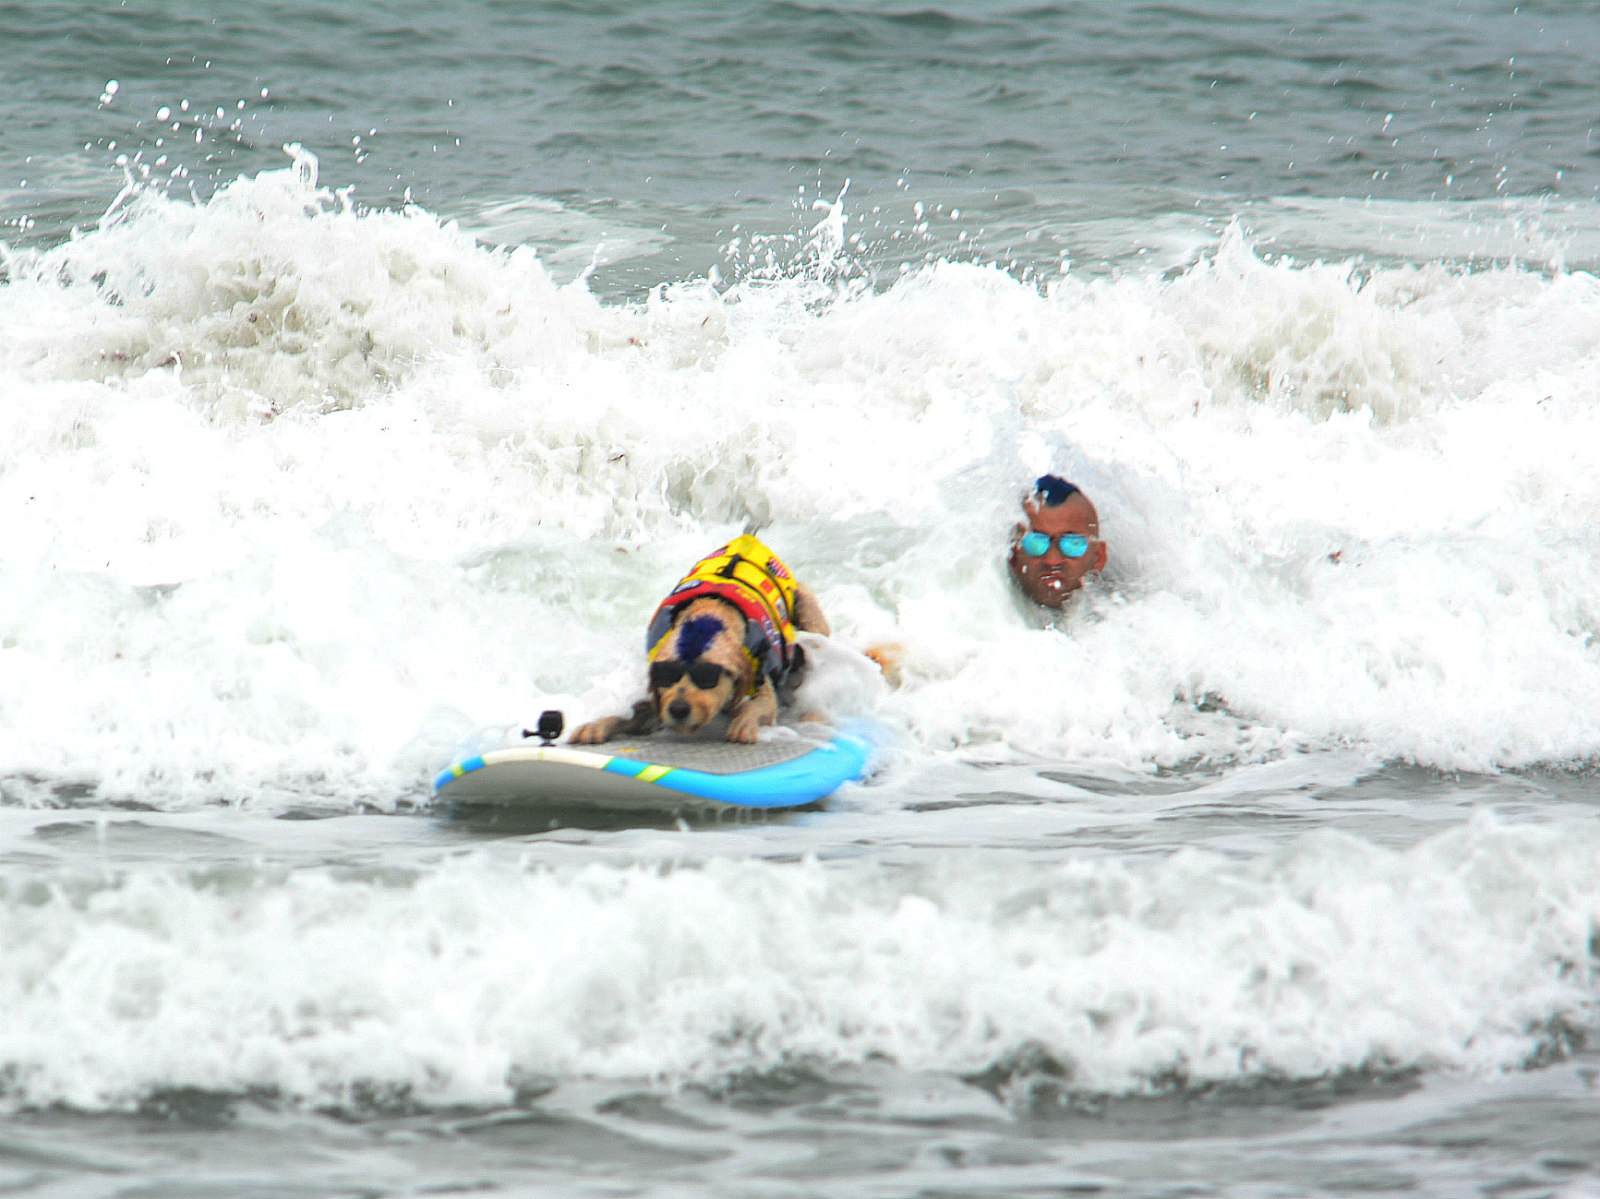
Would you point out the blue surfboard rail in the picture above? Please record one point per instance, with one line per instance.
(465, 766)
(801, 780)
(812, 776)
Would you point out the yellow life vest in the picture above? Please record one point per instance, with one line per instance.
(753, 579)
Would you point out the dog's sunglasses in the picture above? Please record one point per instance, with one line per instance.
(1037, 545)
(704, 675)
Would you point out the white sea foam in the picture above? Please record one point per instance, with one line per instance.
(1472, 950)
(296, 495)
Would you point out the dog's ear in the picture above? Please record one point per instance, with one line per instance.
(645, 719)
(744, 681)
(793, 677)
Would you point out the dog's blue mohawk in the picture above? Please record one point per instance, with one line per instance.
(695, 635)
(1053, 490)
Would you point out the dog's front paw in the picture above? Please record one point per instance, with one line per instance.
(595, 731)
(745, 731)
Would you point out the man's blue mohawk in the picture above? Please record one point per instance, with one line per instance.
(1053, 490)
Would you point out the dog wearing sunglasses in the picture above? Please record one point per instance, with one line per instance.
(722, 641)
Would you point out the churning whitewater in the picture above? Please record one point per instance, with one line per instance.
(426, 986)
(304, 496)
(300, 495)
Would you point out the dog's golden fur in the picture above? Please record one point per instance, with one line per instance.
(685, 708)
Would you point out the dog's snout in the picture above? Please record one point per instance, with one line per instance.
(678, 709)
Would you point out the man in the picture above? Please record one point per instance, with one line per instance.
(1060, 544)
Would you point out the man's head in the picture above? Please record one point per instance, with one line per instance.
(1058, 545)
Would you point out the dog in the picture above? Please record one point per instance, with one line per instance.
(722, 641)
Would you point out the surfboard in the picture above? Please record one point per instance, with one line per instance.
(660, 773)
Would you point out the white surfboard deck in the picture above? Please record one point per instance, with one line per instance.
(660, 773)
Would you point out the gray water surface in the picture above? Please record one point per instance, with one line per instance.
(684, 108)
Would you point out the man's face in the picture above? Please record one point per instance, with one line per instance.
(1052, 576)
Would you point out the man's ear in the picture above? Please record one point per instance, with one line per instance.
(1099, 556)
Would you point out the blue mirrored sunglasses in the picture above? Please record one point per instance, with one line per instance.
(1073, 545)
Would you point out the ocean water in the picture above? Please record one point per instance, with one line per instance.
(369, 370)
